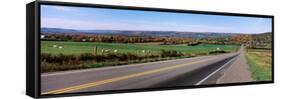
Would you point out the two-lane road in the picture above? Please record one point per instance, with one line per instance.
(180, 72)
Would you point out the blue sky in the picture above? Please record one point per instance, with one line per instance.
(111, 19)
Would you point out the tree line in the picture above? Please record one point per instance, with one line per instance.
(247, 39)
(114, 38)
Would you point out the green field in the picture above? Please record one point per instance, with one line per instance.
(62, 55)
(89, 47)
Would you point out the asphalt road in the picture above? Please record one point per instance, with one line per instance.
(180, 72)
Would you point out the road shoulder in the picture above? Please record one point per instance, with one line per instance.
(237, 72)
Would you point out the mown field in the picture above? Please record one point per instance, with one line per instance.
(260, 62)
(62, 55)
(89, 47)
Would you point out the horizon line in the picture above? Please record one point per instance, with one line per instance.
(153, 30)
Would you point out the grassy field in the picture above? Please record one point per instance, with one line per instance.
(60, 56)
(260, 62)
(89, 47)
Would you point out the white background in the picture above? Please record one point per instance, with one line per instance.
(12, 49)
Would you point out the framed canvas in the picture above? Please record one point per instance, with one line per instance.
(85, 49)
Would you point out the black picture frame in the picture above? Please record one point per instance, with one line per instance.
(33, 79)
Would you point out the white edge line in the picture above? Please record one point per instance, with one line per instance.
(203, 80)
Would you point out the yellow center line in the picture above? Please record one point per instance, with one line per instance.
(96, 83)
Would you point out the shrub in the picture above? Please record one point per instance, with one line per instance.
(51, 67)
(87, 56)
(60, 58)
(218, 51)
(100, 58)
(165, 53)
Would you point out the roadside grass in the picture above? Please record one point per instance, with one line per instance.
(260, 62)
(61, 62)
(52, 67)
(116, 63)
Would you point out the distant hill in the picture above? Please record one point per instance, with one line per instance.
(58, 30)
(139, 33)
(263, 40)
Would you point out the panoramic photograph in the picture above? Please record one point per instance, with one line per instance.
(86, 49)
